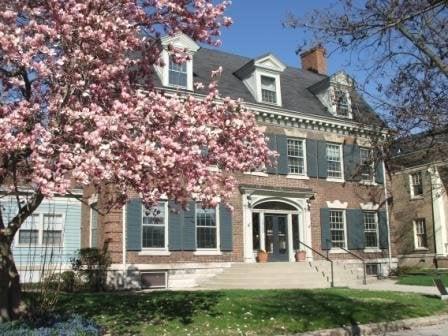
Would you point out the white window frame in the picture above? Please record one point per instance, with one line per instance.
(303, 141)
(165, 223)
(40, 228)
(411, 184)
(259, 74)
(342, 93)
(92, 210)
(375, 216)
(416, 233)
(208, 251)
(341, 155)
(171, 62)
(344, 218)
(165, 72)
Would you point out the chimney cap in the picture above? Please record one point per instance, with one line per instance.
(317, 47)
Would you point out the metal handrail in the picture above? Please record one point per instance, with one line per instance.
(364, 281)
(325, 257)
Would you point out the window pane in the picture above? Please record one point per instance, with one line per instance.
(365, 165)
(28, 237)
(206, 237)
(417, 185)
(341, 103)
(52, 237)
(334, 160)
(177, 74)
(52, 221)
(206, 228)
(420, 231)
(296, 163)
(153, 236)
(337, 233)
(153, 232)
(268, 90)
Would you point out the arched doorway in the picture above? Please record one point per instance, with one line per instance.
(275, 229)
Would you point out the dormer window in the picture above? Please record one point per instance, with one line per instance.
(268, 90)
(177, 74)
(342, 104)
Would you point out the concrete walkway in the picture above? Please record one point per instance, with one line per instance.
(435, 330)
(390, 285)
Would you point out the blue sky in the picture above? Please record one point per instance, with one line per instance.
(257, 29)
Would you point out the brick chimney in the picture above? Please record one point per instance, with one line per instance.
(315, 60)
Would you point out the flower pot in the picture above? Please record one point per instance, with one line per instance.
(300, 255)
(262, 256)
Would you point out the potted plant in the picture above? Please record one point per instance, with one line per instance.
(262, 256)
(300, 255)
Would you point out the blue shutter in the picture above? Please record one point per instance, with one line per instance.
(282, 149)
(379, 176)
(225, 228)
(325, 228)
(272, 145)
(382, 228)
(189, 229)
(175, 223)
(311, 158)
(134, 225)
(322, 159)
(352, 159)
(355, 229)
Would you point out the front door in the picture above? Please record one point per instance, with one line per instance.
(276, 236)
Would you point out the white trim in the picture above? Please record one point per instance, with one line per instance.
(341, 155)
(377, 231)
(277, 65)
(371, 250)
(369, 206)
(154, 252)
(303, 176)
(337, 204)
(258, 74)
(256, 173)
(414, 224)
(297, 177)
(344, 217)
(411, 185)
(207, 252)
(123, 236)
(40, 231)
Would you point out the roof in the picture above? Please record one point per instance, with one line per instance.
(295, 85)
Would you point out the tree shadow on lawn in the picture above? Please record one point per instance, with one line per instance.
(320, 310)
(132, 309)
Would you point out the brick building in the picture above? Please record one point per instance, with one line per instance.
(324, 196)
(419, 211)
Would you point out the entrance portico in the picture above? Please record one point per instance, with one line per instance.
(275, 220)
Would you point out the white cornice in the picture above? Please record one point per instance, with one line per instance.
(181, 41)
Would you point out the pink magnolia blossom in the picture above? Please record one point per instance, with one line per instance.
(72, 112)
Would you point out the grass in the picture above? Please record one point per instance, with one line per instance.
(239, 312)
(421, 279)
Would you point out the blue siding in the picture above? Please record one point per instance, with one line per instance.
(35, 255)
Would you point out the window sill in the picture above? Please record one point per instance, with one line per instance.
(337, 251)
(420, 249)
(372, 250)
(262, 174)
(297, 177)
(369, 183)
(207, 252)
(338, 180)
(154, 253)
(419, 197)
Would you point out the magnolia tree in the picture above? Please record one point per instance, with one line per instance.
(79, 108)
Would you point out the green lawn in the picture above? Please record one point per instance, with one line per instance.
(421, 279)
(238, 312)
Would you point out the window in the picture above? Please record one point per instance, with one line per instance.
(52, 229)
(206, 228)
(256, 231)
(268, 90)
(371, 229)
(29, 232)
(153, 227)
(420, 234)
(42, 229)
(337, 228)
(296, 160)
(342, 108)
(177, 74)
(373, 269)
(334, 160)
(366, 170)
(416, 184)
(93, 225)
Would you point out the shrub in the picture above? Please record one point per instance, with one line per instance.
(68, 281)
(56, 325)
(91, 265)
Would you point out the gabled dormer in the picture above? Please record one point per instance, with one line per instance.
(334, 93)
(173, 74)
(262, 78)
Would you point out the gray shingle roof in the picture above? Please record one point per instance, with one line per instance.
(295, 84)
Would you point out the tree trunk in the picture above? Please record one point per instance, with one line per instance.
(11, 305)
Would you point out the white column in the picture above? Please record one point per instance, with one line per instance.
(247, 231)
(262, 240)
(440, 217)
(306, 229)
(290, 247)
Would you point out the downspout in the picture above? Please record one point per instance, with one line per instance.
(432, 172)
(123, 239)
(387, 215)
